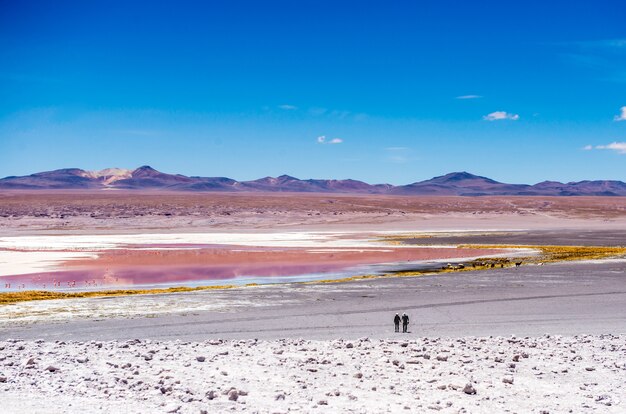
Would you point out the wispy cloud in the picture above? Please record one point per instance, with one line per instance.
(288, 107)
(500, 115)
(318, 111)
(322, 140)
(605, 58)
(622, 114)
(398, 155)
(337, 114)
(610, 44)
(469, 97)
(619, 147)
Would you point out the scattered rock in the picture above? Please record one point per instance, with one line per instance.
(233, 395)
(507, 380)
(171, 408)
(469, 389)
(200, 358)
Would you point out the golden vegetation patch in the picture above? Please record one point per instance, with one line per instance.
(549, 254)
(28, 295)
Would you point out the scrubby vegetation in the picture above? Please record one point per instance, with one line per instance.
(27, 295)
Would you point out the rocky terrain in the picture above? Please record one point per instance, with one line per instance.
(547, 374)
(127, 211)
(147, 178)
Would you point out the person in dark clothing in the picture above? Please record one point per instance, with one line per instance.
(405, 323)
(396, 322)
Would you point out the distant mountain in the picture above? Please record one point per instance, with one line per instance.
(460, 183)
(147, 178)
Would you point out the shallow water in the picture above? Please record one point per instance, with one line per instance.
(66, 264)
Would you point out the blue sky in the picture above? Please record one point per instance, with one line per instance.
(379, 91)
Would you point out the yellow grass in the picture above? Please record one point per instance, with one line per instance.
(28, 295)
(558, 253)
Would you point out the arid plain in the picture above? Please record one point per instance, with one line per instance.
(313, 283)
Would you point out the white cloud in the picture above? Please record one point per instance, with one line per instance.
(288, 107)
(622, 114)
(619, 147)
(322, 140)
(469, 97)
(500, 115)
(588, 147)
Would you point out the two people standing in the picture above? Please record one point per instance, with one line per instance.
(405, 322)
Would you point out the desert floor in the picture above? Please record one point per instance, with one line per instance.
(330, 347)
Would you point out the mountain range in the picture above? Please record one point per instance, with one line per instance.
(147, 178)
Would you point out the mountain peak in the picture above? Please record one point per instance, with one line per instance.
(461, 176)
(145, 171)
(286, 177)
(145, 168)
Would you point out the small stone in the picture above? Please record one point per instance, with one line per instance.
(211, 395)
(52, 368)
(233, 395)
(358, 375)
(442, 358)
(590, 369)
(322, 402)
(279, 397)
(171, 408)
(469, 389)
(200, 358)
(507, 380)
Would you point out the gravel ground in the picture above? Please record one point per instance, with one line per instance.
(549, 374)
